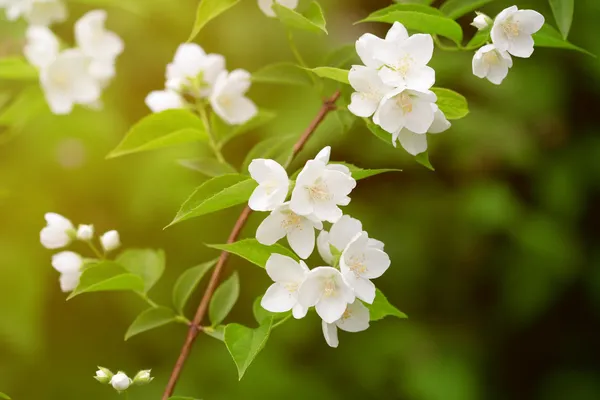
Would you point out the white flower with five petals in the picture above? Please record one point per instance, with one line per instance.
(194, 71)
(267, 5)
(228, 98)
(513, 28)
(326, 290)
(491, 63)
(58, 232)
(415, 143)
(370, 89)
(404, 108)
(339, 236)
(69, 265)
(273, 184)
(355, 319)
(288, 275)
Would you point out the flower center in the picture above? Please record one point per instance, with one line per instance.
(347, 314)
(404, 102)
(270, 186)
(511, 29)
(403, 66)
(291, 221)
(491, 58)
(357, 265)
(330, 288)
(319, 191)
(291, 287)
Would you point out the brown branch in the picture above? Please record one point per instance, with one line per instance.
(327, 106)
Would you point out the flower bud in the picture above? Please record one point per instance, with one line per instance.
(85, 232)
(481, 21)
(143, 377)
(120, 381)
(110, 240)
(103, 375)
(57, 233)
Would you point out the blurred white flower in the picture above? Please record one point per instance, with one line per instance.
(404, 108)
(491, 63)
(58, 232)
(415, 143)
(273, 184)
(69, 265)
(513, 28)
(228, 98)
(193, 71)
(110, 240)
(481, 21)
(267, 5)
(282, 295)
(326, 290)
(36, 12)
(355, 319)
(120, 381)
(41, 47)
(370, 89)
(161, 100)
(85, 232)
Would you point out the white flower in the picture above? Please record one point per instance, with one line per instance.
(288, 275)
(339, 236)
(273, 184)
(67, 81)
(85, 232)
(320, 189)
(361, 262)
(42, 46)
(368, 44)
(57, 233)
(323, 156)
(36, 12)
(101, 374)
(120, 381)
(403, 108)
(415, 143)
(267, 5)
(110, 240)
(143, 377)
(491, 63)
(481, 21)
(513, 28)
(355, 319)
(228, 100)
(369, 90)
(69, 265)
(161, 100)
(299, 229)
(193, 71)
(326, 289)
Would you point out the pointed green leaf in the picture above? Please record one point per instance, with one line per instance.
(208, 10)
(245, 343)
(381, 308)
(278, 148)
(283, 74)
(217, 332)
(253, 251)
(4, 396)
(342, 57)
(419, 18)
(414, 6)
(216, 194)
(150, 319)
(263, 117)
(312, 20)
(224, 299)
(159, 130)
(261, 315)
(457, 8)
(187, 283)
(17, 68)
(360, 173)
(563, 14)
(148, 264)
(107, 276)
(479, 39)
(336, 74)
(210, 167)
(453, 105)
(548, 36)
(423, 159)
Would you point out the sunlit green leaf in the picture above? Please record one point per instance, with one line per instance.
(17, 68)
(453, 105)
(312, 20)
(224, 299)
(382, 308)
(253, 251)
(479, 39)
(404, 6)
(263, 117)
(550, 37)
(107, 276)
(245, 343)
(360, 173)
(563, 14)
(216, 194)
(278, 148)
(283, 74)
(457, 8)
(150, 319)
(158, 130)
(4, 396)
(261, 315)
(149, 264)
(208, 166)
(187, 283)
(342, 57)
(208, 10)
(217, 332)
(336, 74)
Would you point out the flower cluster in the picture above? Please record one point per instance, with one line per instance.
(338, 289)
(195, 78)
(35, 12)
(58, 233)
(120, 381)
(266, 6)
(393, 86)
(511, 35)
(76, 75)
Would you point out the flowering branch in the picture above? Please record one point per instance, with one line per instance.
(195, 327)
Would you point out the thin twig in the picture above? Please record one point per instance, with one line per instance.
(327, 106)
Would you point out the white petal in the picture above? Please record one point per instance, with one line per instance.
(54, 238)
(363, 288)
(263, 170)
(358, 319)
(278, 299)
(480, 68)
(376, 244)
(160, 100)
(42, 46)
(302, 239)
(413, 143)
(529, 21)
(343, 231)
(284, 269)
(187, 62)
(420, 47)
(58, 221)
(440, 123)
(330, 334)
(389, 116)
(327, 211)
(521, 46)
(68, 282)
(67, 262)
(299, 311)
(366, 46)
(420, 118)
(310, 290)
(397, 33)
(497, 73)
(377, 262)
(362, 105)
(323, 246)
(271, 229)
(421, 78)
(324, 155)
(330, 309)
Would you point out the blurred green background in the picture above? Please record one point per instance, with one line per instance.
(495, 256)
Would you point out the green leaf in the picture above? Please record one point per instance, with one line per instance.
(563, 14)
(107, 276)
(244, 343)
(261, 315)
(217, 332)
(336, 74)
(148, 264)
(283, 74)
(224, 299)
(208, 10)
(452, 104)
(479, 39)
(381, 308)
(342, 57)
(420, 18)
(158, 130)
(312, 20)
(360, 173)
(150, 319)
(216, 194)
(210, 167)
(548, 36)
(457, 8)
(253, 251)
(17, 68)
(187, 283)
(4, 396)
(415, 6)
(263, 117)
(278, 148)
(423, 159)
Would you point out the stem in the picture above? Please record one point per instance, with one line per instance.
(298, 56)
(211, 138)
(193, 331)
(442, 46)
(145, 297)
(281, 321)
(95, 250)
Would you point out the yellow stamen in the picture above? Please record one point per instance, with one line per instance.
(404, 101)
